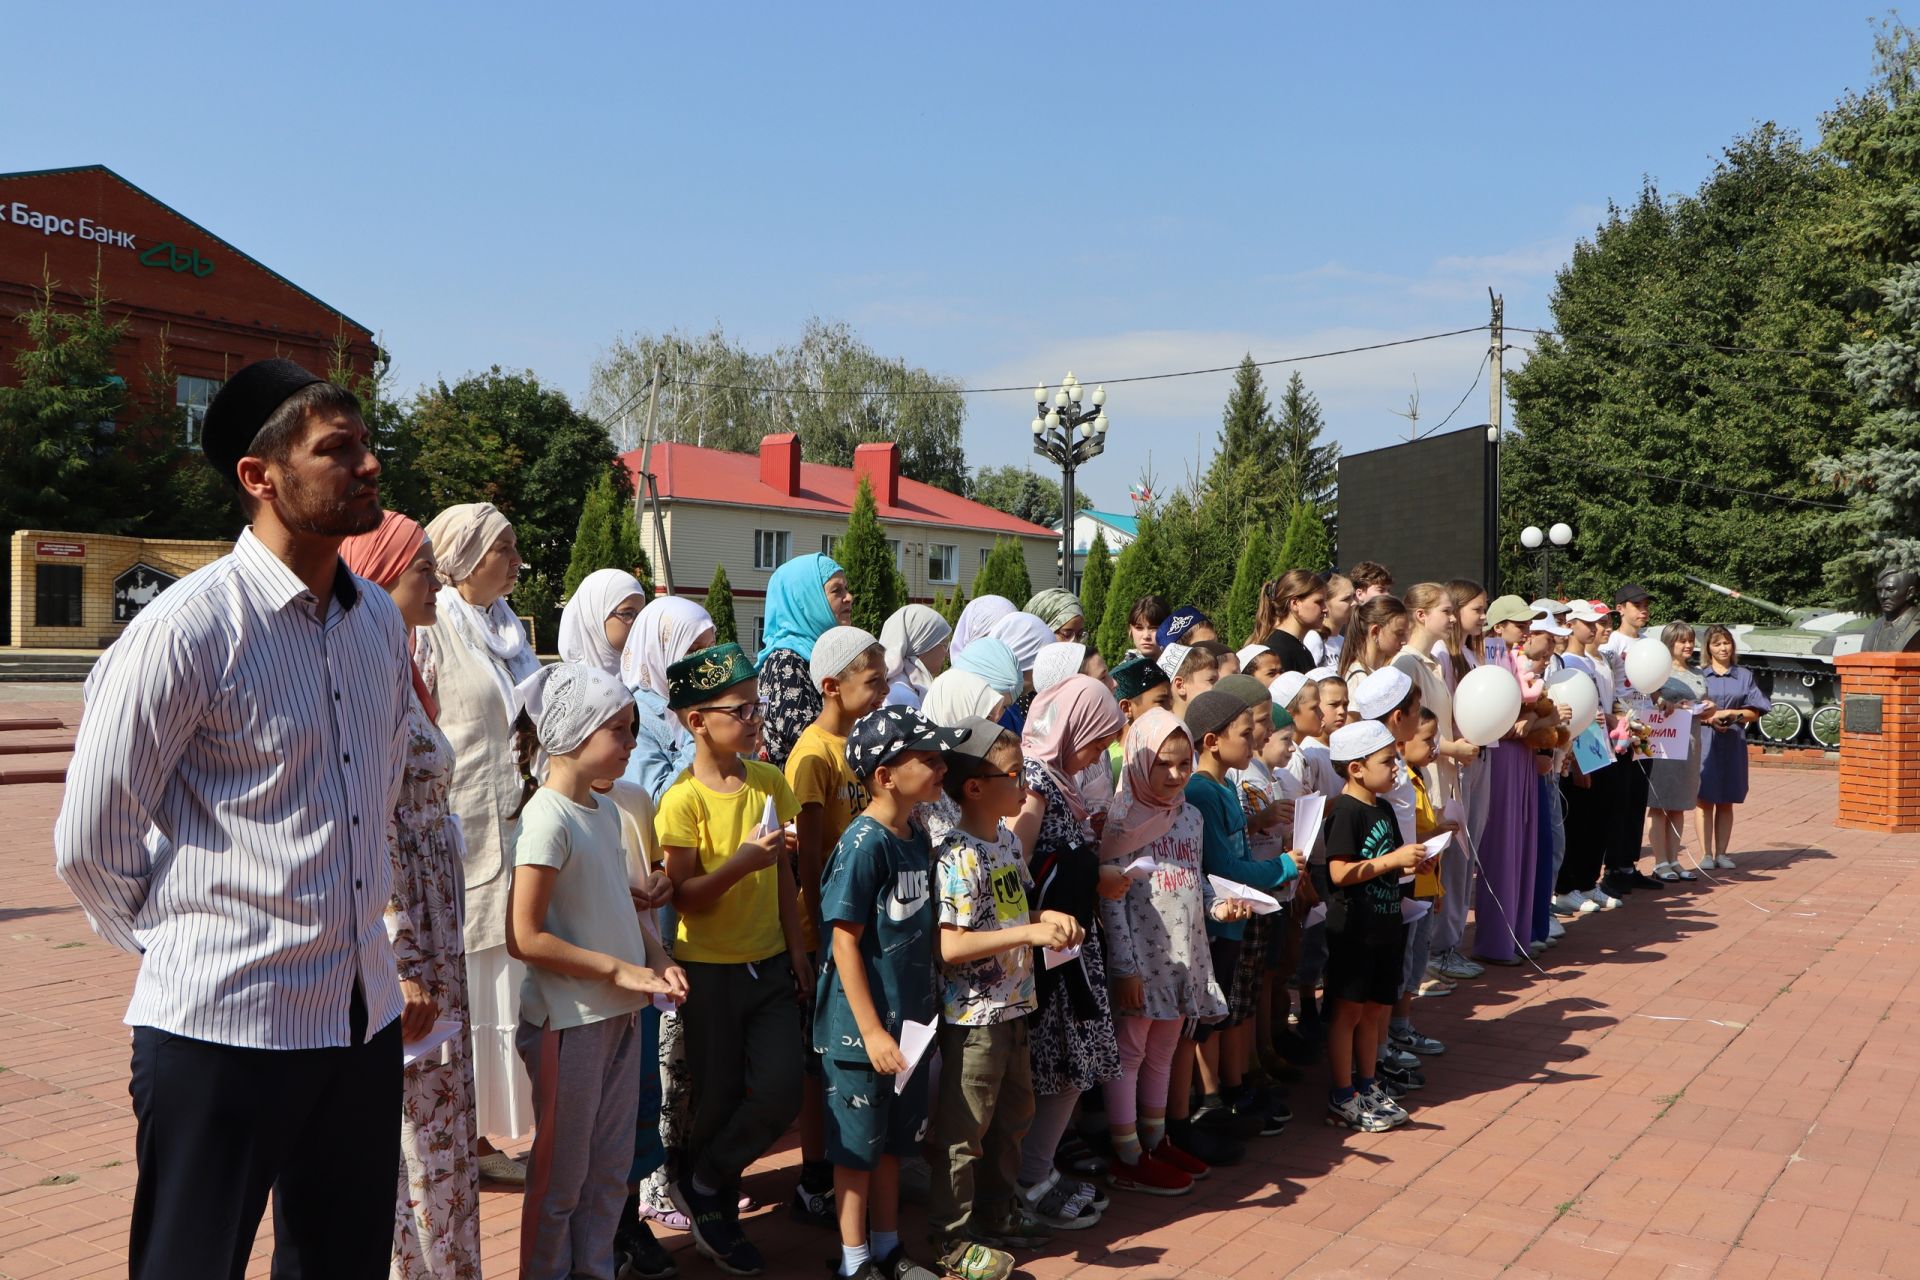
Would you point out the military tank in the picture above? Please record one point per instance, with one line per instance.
(1793, 665)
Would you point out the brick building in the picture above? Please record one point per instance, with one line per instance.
(174, 283)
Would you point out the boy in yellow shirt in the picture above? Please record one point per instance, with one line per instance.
(739, 939)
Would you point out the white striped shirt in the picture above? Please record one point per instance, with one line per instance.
(226, 811)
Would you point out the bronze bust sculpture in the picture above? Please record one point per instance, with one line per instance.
(1897, 629)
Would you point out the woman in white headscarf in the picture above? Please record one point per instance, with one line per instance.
(978, 619)
(916, 639)
(598, 616)
(471, 658)
(955, 695)
(666, 631)
(1026, 636)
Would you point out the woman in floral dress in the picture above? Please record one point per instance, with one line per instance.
(436, 1229)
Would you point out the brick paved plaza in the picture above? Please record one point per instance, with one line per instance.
(1717, 1081)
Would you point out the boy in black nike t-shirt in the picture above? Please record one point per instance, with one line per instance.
(1366, 941)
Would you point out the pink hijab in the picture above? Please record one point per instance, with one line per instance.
(1141, 817)
(1065, 718)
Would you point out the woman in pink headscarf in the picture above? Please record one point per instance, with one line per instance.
(1068, 728)
(436, 1231)
(1158, 966)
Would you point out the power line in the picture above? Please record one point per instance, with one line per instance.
(1143, 377)
(1434, 430)
(1681, 345)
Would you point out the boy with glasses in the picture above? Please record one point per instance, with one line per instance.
(739, 939)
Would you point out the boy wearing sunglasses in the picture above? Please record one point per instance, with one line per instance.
(739, 939)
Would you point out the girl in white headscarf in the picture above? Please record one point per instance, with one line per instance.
(916, 639)
(978, 619)
(471, 658)
(955, 694)
(666, 631)
(595, 623)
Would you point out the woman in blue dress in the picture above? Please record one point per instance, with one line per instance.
(1738, 703)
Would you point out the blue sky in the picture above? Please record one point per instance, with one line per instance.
(998, 192)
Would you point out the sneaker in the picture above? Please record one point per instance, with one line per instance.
(1555, 931)
(1354, 1113)
(1017, 1232)
(1573, 903)
(716, 1233)
(1413, 1042)
(1223, 1119)
(1150, 1176)
(1191, 1165)
(1216, 1150)
(1602, 900)
(1641, 880)
(1054, 1203)
(501, 1168)
(1393, 1055)
(1432, 986)
(1377, 1100)
(639, 1256)
(1621, 883)
(814, 1208)
(1402, 1081)
(1454, 965)
(868, 1270)
(1537, 947)
(1722, 862)
(971, 1260)
(898, 1266)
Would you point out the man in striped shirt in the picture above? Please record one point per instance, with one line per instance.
(225, 819)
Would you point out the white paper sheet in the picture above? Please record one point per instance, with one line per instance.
(1140, 868)
(1308, 813)
(444, 1029)
(1057, 956)
(1412, 909)
(665, 1003)
(1263, 904)
(915, 1037)
(1317, 914)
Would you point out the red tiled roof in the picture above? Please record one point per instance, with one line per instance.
(692, 474)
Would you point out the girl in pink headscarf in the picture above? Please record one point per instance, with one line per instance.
(1068, 728)
(1158, 966)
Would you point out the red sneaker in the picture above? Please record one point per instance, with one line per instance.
(1149, 1175)
(1191, 1165)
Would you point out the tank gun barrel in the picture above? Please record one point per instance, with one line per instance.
(1791, 615)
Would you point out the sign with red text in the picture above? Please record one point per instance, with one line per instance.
(1672, 733)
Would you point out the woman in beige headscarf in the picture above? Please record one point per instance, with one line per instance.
(471, 658)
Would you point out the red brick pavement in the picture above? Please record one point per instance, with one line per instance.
(1716, 1081)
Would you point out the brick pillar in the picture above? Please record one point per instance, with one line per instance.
(1880, 770)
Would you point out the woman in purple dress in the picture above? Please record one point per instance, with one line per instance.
(1508, 852)
(1723, 744)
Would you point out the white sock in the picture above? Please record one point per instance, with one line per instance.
(852, 1258)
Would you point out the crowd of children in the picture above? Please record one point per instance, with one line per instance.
(974, 901)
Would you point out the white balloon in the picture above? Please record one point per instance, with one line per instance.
(1575, 691)
(1486, 705)
(1649, 663)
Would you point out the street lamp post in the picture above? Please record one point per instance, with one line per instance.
(1543, 546)
(1070, 434)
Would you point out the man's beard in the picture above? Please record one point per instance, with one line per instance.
(301, 512)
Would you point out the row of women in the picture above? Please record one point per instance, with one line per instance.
(452, 834)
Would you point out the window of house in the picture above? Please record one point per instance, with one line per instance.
(943, 562)
(984, 553)
(759, 632)
(771, 548)
(56, 595)
(829, 543)
(194, 395)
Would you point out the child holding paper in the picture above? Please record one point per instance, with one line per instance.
(1158, 968)
(877, 897)
(738, 937)
(1419, 754)
(1366, 939)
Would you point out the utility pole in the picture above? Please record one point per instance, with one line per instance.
(652, 488)
(1496, 402)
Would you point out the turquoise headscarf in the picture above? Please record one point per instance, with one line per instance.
(993, 661)
(797, 611)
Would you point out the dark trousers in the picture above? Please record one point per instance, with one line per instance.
(1590, 817)
(1629, 814)
(742, 1027)
(218, 1127)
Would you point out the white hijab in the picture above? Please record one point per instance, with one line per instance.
(1056, 662)
(583, 623)
(662, 635)
(461, 535)
(977, 620)
(955, 695)
(910, 632)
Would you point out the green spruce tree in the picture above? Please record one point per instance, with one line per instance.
(606, 537)
(1004, 573)
(1881, 474)
(872, 575)
(534, 597)
(950, 606)
(1256, 558)
(1306, 470)
(1305, 545)
(1094, 581)
(1134, 575)
(720, 608)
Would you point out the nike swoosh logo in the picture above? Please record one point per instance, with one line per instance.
(899, 911)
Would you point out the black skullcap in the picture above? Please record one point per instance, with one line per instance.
(243, 406)
(1212, 712)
